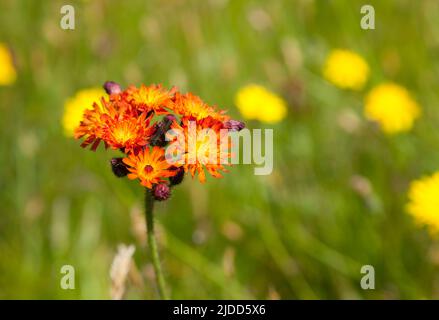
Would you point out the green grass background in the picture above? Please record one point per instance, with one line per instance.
(302, 232)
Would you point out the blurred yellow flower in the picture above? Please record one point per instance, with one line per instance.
(424, 201)
(75, 106)
(346, 69)
(256, 102)
(392, 107)
(7, 69)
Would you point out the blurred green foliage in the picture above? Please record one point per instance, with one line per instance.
(334, 202)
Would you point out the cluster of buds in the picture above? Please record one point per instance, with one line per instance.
(136, 122)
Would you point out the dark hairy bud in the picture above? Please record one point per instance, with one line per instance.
(161, 192)
(234, 125)
(118, 167)
(161, 127)
(178, 177)
(112, 87)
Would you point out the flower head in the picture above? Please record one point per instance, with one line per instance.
(192, 106)
(150, 98)
(205, 146)
(424, 201)
(392, 107)
(149, 166)
(128, 134)
(117, 124)
(75, 106)
(257, 102)
(8, 73)
(346, 69)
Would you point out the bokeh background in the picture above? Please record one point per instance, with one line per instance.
(334, 202)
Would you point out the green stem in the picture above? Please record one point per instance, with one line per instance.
(149, 213)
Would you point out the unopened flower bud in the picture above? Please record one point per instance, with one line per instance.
(112, 87)
(178, 177)
(161, 127)
(118, 167)
(161, 192)
(169, 119)
(234, 125)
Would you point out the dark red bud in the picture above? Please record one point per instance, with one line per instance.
(161, 192)
(234, 125)
(169, 118)
(112, 87)
(178, 177)
(118, 167)
(161, 127)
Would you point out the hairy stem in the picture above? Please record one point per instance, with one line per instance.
(149, 213)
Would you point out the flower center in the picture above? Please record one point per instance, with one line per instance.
(123, 133)
(148, 169)
(150, 97)
(197, 109)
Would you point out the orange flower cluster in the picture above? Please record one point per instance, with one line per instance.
(128, 120)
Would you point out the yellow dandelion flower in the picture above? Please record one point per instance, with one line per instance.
(74, 108)
(346, 69)
(424, 201)
(7, 69)
(392, 107)
(257, 102)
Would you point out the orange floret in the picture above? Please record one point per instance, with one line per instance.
(149, 166)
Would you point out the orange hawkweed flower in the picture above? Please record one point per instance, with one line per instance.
(206, 146)
(150, 98)
(129, 134)
(91, 125)
(117, 124)
(190, 105)
(149, 166)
